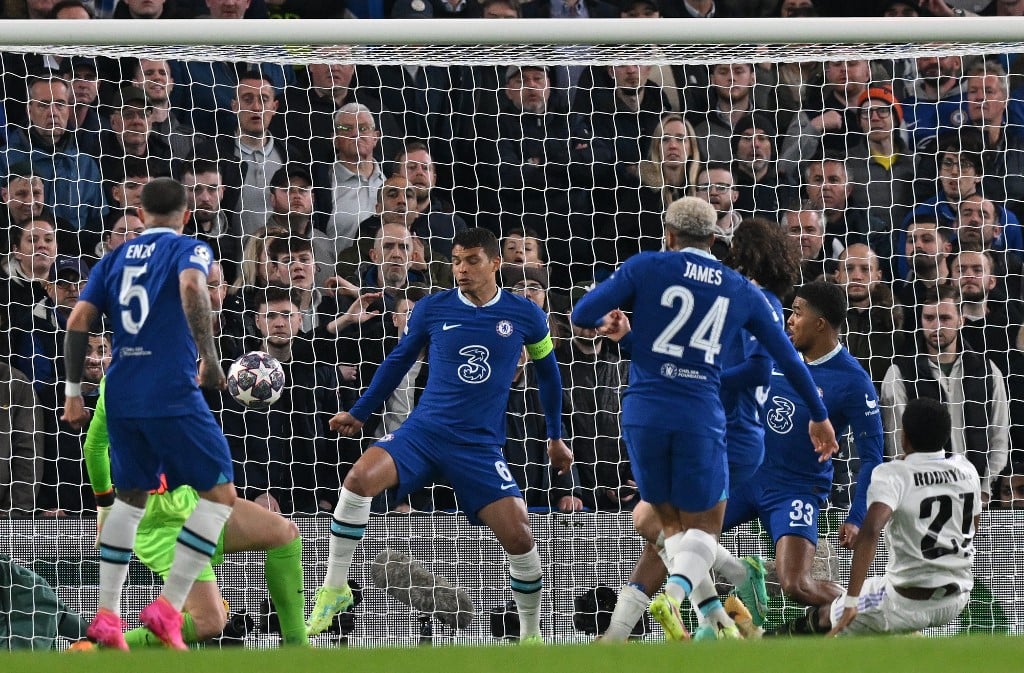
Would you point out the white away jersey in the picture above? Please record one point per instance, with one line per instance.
(931, 534)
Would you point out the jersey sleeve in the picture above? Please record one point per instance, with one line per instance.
(397, 363)
(538, 334)
(96, 448)
(865, 420)
(886, 487)
(196, 255)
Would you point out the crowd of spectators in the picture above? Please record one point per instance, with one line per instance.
(330, 193)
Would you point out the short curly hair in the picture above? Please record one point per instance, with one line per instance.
(761, 251)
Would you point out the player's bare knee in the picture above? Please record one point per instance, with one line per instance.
(284, 532)
(210, 620)
(646, 522)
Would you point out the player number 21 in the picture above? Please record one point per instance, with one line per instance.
(708, 334)
(129, 292)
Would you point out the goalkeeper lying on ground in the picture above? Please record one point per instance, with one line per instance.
(250, 528)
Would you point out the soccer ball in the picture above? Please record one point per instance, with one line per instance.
(256, 380)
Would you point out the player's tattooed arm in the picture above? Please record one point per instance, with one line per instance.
(195, 301)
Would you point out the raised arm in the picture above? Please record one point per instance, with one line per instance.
(195, 301)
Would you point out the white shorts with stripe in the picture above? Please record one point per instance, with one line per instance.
(882, 610)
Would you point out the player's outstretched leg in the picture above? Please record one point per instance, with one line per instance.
(347, 529)
(635, 596)
(715, 623)
(116, 540)
(252, 527)
(752, 590)
(196, 545)
(508, 520)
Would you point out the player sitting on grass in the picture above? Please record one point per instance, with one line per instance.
(249, 528)
(929, 506)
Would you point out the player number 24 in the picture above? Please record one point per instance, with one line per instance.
(708, 333)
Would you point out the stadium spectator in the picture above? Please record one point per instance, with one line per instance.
(620, 114)
(119, 225)
(594, 374)
(206, 88)
(250, 158)
(524, 247)
(395, 201)
(72, 10)
(124, 186)
(960, 176)
(154, 77)
(1008, 491)
(38, 337)
(828, 187)
(283, 456)
(667, 172)
(873, 330)
(381, 280)
(979, 227)
(991, 323)
(346, 189)
(524, 163)
(84, 120)
(806, 229)
(730, 99)
(22, 199)
(933, 107)
(532, 282)
(401, 402)
(210, 222)
(127, 110)
(310, 108)
(38, 352)
(966, 383)
(879, 163)
(526, 451)
(71, 180)
(435, 224)
(228, 327)
(291, 264)
(827, 114)
(21, 443)
(149, 9)
(27, 268)
(928, 248)
(755, 167)
(291, 205)
(716, 185)
(986, 99)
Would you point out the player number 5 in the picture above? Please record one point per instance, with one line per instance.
(130, 291)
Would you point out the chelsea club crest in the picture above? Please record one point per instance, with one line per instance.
(504, 328)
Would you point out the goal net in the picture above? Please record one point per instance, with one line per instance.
(890, 152)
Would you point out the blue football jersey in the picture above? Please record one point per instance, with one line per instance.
(849, 395)
(153, 369)
(744, 432)
(473, 353)
(686, 305)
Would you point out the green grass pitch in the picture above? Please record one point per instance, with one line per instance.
(865, 655)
